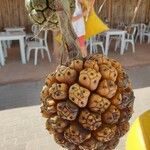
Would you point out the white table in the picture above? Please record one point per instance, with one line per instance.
(6, 36)
(15, 29)
(115, 32)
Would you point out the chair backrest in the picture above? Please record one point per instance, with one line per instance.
(147, 28)
(35, 28)
(45, 38)
(143, 27)
(131, 31)
(42, 38)
(134, 31)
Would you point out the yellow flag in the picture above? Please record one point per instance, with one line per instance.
(94, 25)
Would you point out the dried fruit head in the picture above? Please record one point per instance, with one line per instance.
(43, 12)
(88, 103)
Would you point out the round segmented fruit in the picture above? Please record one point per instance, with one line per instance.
(88, 103)
(43, 12)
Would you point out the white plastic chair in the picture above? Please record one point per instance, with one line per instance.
(147, 34)
(39, 44)
(140, 31)
(35, 30)
(94, 42)
(129, 39)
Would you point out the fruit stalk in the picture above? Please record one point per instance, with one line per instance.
(68, 36)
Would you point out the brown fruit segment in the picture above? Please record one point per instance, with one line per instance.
(66, 75)
(44, 93)
(49, 127)
(59, 91)
(50, 106)
(47, 111)
(123, 81)
(89, 78)
(57, 124)
(98, 104)
(100, 59)
(91, 64)
(108, 72)
(107, 88)
(75, 134)
(112, 115)
(123, 100)
(122, 129)
(128, 97)
(79, 95)
(126, 114)
(90, 121)
(59, 138)
(105, 133)
(76, 65)
(112, 144)
(90, 144)
(50, 80)
(115, 64)
(67, 110)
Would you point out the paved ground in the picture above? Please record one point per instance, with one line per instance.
(22, 127)
(14, 71)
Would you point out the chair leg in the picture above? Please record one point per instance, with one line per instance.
(117, 45)
(149, 39)
(42, 53)
(91, 48)
(103, 51)
(35, 57)
(101, 45)
(9, 43)
(94, 48)
(136, 38)
(28, 54)
(48, 54)
(5, 49)
(133, 46)
(127, 45)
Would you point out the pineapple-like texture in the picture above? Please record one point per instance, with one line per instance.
(88, 103)
(43, 12)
